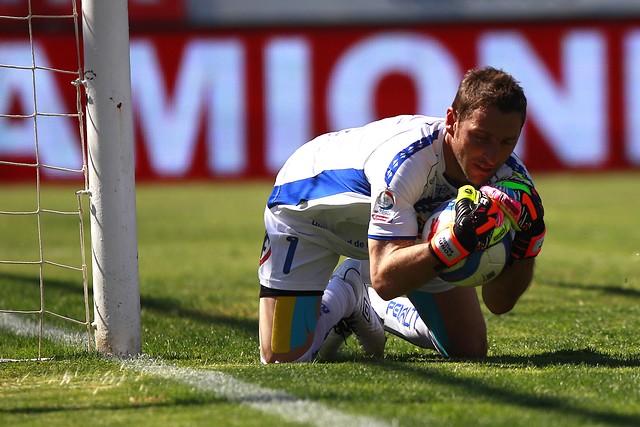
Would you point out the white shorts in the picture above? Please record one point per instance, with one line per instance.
(294, 259)
(291, 261)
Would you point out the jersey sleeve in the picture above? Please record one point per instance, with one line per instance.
(393, 217)
(513, 168)
(393, 214)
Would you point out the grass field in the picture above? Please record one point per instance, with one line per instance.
(568, 355)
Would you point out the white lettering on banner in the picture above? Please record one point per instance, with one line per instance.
(288, 75)
(58, 138)
(572, 117)
(631, 75)
(352, 85)
(568, 105)
(211, 80)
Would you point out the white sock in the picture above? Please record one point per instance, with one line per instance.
(401, 318)
(338, 302)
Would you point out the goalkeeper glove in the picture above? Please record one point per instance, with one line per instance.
(478, 224)
(523, 206)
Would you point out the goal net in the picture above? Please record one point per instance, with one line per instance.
(48, 173)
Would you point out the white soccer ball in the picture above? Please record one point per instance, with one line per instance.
(480, 266)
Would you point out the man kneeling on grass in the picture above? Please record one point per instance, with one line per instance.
(358, 192)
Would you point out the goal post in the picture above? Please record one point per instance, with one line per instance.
(110, 144)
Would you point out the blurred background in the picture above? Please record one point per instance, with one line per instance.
(227, 89)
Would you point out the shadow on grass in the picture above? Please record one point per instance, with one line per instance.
(575, 357)
(517, 395)
(109, 407)
(167, 306)
(162, 306)
(29, 279)
(607, 289)
(587, 357)
(21, 292)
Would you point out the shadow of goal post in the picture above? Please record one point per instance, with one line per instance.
(109, 125)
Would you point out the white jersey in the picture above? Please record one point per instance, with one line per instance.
(379, 181)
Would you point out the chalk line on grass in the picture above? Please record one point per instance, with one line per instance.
(271, 401)
(267, 400)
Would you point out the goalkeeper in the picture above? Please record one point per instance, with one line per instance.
(357, 193)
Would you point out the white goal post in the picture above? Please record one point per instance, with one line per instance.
(109, 126)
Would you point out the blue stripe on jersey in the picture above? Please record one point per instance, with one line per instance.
(403, 155)
(513, 163)
(327, 183)
(374, 237)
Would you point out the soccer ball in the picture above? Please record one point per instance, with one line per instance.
(480, 266)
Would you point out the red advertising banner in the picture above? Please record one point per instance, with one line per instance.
(236, 103)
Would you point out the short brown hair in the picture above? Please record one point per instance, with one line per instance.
(489, 87)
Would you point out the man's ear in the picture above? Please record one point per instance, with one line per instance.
(450, 121)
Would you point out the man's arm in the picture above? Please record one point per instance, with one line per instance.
(400, 266)
(502, 293)
(523, 205)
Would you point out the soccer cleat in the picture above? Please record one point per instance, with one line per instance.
(363, 322)
(337, 336)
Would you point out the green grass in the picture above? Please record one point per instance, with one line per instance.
(567, 355)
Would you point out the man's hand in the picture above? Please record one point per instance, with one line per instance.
(523, 206)
(479, 223)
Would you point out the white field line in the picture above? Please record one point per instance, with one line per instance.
(21, 326)
(270, 401)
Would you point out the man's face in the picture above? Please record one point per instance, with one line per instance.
(481, 143)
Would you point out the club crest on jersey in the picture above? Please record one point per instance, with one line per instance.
(385, 200)
(382, 210)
